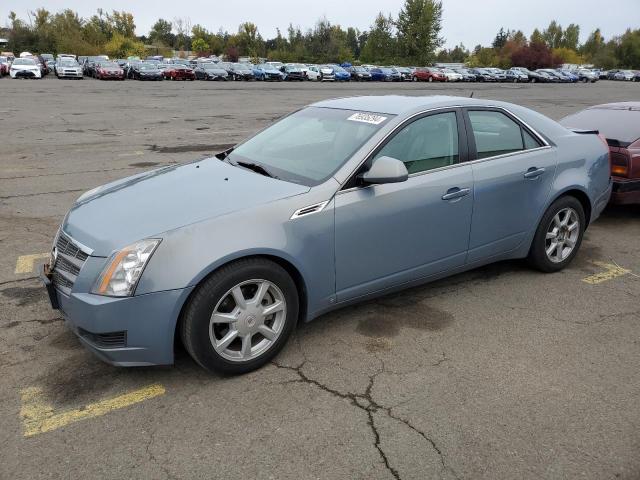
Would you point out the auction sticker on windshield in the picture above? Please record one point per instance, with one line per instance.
(367, 118)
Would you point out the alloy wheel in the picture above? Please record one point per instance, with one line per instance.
(562, 234)
(247, 320)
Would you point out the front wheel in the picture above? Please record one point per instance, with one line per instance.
(558, 236)
(241, 316)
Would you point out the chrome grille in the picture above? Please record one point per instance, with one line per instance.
(69, 262)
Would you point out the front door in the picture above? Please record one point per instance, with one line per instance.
(390, 234)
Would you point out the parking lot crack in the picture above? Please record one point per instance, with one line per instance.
(21, 195)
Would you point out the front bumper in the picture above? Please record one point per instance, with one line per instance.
(625, 191)
(25, 74)
(125, 331)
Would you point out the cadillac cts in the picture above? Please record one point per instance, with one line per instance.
(338, 202)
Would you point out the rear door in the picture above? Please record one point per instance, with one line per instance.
(513, 169)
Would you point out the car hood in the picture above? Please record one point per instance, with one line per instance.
(115, 215)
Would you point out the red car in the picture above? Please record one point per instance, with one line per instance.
(619, 123)
(109, 71)
(179, 72)
(428, 74)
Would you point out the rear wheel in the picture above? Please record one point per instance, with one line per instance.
(558, 236)
(241, 316)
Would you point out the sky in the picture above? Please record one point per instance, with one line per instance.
(470, 22)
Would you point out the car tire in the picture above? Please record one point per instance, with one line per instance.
(218, 293)
(559, 219)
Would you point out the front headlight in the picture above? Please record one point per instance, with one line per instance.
(123, 270)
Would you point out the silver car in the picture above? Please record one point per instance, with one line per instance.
(336, 203)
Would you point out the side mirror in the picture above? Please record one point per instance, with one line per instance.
(386, 170)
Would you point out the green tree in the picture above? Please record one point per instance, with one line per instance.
(122, 23)
(121, 47)
(628, 50)
(199, 45)
(519, 38)
(501, 38)
(419, 25)
(249, 40)
(553, 35)
(571, 37)
(380, 46)
(161, 33)
(536, 37)
(594, 44)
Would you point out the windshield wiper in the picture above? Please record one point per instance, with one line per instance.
(256, 168)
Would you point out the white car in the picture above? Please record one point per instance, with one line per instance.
(25, 68)
(451, 75)
(322, 73)
(68, 68)
(626, 75)
(313, 72)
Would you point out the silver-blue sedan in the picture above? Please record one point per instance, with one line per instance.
(338, 202)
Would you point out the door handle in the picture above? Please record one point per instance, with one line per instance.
(534, 172)
(455, 193)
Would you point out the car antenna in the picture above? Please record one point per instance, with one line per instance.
(471, 96)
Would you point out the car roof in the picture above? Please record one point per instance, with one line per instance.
(399, 104)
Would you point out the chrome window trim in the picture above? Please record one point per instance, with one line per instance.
(539, 137)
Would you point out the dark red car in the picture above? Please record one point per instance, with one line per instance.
(109, 71)
(619, 123)
(428, 74)
(179, 72)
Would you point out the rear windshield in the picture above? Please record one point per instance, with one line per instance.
(619, 125)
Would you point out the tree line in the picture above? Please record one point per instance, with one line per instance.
(412, 37)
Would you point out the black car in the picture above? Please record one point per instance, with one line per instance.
(359, 74)
(241, 71)
(483, 75)
(146, 71)
(612, 73)
(292, 73)
(535, 77)
(210, 71)
(406, 74)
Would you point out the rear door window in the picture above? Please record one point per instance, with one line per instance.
(497, 134)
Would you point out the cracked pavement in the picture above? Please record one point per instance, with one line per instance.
(498, 373)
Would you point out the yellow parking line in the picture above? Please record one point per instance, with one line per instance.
(39, 417)
(26, 263)
(611, 271)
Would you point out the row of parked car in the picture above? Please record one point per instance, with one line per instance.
(158, 68)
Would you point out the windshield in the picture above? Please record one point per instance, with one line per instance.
(68, 63)
(24, 61)
(310, 145)
(147, 66)
(211, 66)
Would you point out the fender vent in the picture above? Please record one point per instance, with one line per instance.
(304, 211)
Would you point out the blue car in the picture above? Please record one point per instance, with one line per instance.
(383, 74)
(341, 75)
(339, 202)
(266, 72)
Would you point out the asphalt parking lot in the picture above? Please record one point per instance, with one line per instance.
(498, 373)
